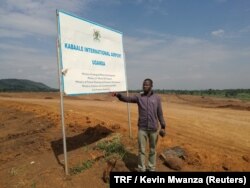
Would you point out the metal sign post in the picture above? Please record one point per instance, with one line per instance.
(128, 105)
(61, 98)
(129, 120)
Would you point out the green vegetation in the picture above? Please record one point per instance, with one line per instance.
(243, 94)
(18, 85)
(33, 185)
(112, 148)
(13, 172)
(81, 167)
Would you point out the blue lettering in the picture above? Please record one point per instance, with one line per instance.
(86, 49)
(115, 55)
(90, 50)
(95, 62)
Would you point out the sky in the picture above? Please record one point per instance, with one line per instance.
(179, 44)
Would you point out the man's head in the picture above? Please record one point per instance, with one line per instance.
(147, 85)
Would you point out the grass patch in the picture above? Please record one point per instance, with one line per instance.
(86, 148)
(82, 167)
(13, 172)
(244, 96)
(33, 185)
(112, 148)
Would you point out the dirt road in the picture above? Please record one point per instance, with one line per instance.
(213, 132)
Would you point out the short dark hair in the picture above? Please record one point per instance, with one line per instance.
(150, 80)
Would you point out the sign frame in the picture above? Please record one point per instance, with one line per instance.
(85, 88)
(61, 82)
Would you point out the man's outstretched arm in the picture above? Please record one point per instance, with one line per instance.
(130, 99)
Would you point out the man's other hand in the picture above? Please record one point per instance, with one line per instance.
(162, 133)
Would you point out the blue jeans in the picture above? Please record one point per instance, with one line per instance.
(143, 137)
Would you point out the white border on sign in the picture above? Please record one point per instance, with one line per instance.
(61, 63)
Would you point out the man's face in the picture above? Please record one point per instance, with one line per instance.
(147, 86)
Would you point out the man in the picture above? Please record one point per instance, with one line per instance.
(150, 111)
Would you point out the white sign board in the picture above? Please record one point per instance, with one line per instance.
(91, 56)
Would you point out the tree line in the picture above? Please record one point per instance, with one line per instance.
(228, 93)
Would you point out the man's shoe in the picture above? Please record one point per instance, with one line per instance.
(150, 170)
(139, 170)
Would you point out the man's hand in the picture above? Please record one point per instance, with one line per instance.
(113, 94)
(162, 132)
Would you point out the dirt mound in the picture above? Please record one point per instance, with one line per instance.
(212, 102)
(18, 141)
(233, 106)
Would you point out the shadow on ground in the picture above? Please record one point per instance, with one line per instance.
(130, 160)
(89, 136)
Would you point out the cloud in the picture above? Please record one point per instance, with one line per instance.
(221, 1)
(245, 30)
(28, 26)
(28, 35)
(152, 6)
(28, 62)
(185, 63)
(38, 67)
(27, 50)
(15, 47)
(218, 33)
(30, 17)
(156, 9)
(6, 33)
(239, 33)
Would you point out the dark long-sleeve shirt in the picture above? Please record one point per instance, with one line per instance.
(150, 110)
